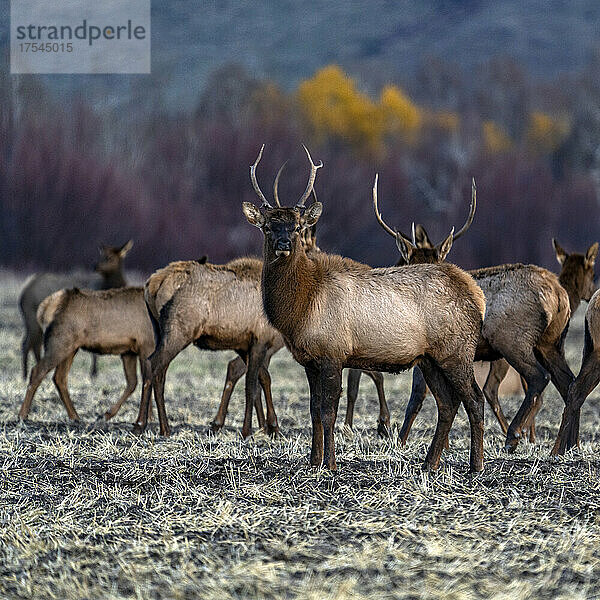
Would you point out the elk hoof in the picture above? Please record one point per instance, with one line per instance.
(214, 427)
(383, 429)
(271, 430)
(138, 429)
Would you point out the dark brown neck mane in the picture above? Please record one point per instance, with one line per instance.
(289, 285)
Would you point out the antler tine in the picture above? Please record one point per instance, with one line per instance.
(471, 210)
(276, 184)
(257, 189)
(311, 179)
(376, 208)
(413, 233)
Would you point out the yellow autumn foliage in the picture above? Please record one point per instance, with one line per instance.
(401, 115)
(545, 133)
(495, 139)
(334, 106)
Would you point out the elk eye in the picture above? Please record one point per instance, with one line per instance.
(298, 228)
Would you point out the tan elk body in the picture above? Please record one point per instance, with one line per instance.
(527, 316)
(334, 313)
(214, 307)
(105, 322)
(110, 275)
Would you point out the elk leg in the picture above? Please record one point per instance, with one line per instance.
(235, 371)
(159, 361)
(383, 422)
(585, 382)
(147, 383)
(314, 383)
(36, 377)
(498, 371)
(537, 379)
(94, 367)
(256, 357)
(159, 398)
(553, 360)
(351, 395)
(60, 378)
(28, 344)
(474, 403)
(330, 375)
(417, 396)
(271, 426)
(129, 368)
(529, 422)
(447, 405)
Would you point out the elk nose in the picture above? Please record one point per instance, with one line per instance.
(284, 245)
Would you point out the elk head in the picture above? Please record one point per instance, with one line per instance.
(111, 258)
(285, 228)
(419, 248)
(577, 272)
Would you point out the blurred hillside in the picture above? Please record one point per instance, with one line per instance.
(378, 41)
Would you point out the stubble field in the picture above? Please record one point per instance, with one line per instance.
(96, 512)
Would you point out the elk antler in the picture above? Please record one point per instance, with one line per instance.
(311, 179)
(380, 218)
(257, 189)
(276, 184)
(471, 211)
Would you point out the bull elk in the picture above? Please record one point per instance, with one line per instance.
(587, 379)
(110, 269)
(334, 313)
(527, 316)
(112, 321)
(415, 251)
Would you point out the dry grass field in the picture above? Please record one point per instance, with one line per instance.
(92, 512)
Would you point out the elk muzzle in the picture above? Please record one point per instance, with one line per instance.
(282, 247)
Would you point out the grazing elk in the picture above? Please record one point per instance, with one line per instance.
(110, 269)
(527, 315)
(585, 382)
(334, 313)
(111, 321)
(577, 277)
(214, 307)
(419, 250)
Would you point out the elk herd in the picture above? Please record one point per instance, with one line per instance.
(332, 313)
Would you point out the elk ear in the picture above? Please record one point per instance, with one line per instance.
(202, 260)
(406, 248)
(591, 254)
(561, 255)
(422, 238)
(125, 248)
(254, 216)
(312, 214)
(445, 246)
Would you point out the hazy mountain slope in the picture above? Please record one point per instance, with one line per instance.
(376, 40)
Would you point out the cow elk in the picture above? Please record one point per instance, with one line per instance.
(110, 270)
(214, 307)
(334, 313)
(112, 321)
